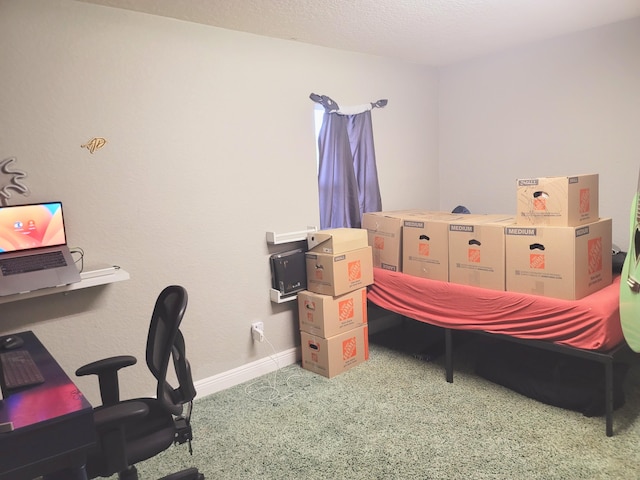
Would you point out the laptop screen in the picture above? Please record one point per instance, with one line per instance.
(24, 227)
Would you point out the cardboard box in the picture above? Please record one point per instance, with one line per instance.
(425, 245)
(326, 316)
(339, 274)
(337, 240)
(334, 355)
(561, 262)
(477, 251)
(558, 201)
(384, 231)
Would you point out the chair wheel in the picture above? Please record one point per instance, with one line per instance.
(130, 473)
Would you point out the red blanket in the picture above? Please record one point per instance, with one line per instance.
(591, 323)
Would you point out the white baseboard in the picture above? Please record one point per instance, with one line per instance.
(244, 373)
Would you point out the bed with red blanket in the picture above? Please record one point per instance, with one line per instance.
(588, 328)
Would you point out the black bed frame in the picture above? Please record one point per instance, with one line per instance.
(606, 358)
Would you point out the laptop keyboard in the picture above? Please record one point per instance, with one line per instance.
(19, 369)
(31, 263)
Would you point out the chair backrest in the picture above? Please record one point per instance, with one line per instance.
(165, 341)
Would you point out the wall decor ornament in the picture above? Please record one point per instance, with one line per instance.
(94, 144)
(15, 180)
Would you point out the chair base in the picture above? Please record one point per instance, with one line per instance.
(188, 474)
(129, 474)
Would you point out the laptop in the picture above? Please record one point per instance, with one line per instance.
(33, 249)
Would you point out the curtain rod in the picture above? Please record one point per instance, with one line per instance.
(331, 106)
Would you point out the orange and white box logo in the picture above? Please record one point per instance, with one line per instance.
(378, 243)
(345, 309)
(349, 348)
(584, 200)
(473, 255)
(595, 254)
(423, 249)
(536, 261)
(355, 272)
(540, 203)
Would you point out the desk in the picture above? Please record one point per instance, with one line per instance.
(53, 422)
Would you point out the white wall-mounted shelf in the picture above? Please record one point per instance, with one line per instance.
(276, 297)
(279, 238)
(89, 278)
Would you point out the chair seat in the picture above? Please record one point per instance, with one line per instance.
(145, 437)
(151, 435)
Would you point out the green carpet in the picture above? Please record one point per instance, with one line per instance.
(395, 417)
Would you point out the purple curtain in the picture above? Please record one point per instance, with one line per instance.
(347, 174)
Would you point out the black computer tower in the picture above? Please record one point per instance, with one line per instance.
(289, 272)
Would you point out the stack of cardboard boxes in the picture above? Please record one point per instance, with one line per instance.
(333, 309)
(560, 246)
(460, 248)
(556, 245)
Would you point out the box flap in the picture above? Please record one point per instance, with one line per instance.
(337, 240)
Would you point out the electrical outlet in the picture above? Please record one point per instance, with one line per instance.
(257, 331)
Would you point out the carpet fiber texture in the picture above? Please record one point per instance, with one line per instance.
(395, 417)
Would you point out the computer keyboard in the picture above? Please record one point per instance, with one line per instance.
(31, 263)
(19, 369)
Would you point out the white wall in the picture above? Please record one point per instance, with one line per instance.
(210, 144)
(561, 107)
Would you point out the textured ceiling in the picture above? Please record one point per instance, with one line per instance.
(431, 32)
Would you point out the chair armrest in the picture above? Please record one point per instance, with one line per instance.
(106, 364)
(107, 372)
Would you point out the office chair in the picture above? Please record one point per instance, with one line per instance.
(130, 431)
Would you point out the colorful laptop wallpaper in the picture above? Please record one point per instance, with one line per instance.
(25, 227)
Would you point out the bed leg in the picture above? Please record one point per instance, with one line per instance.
(448, 354)
(608, 395)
